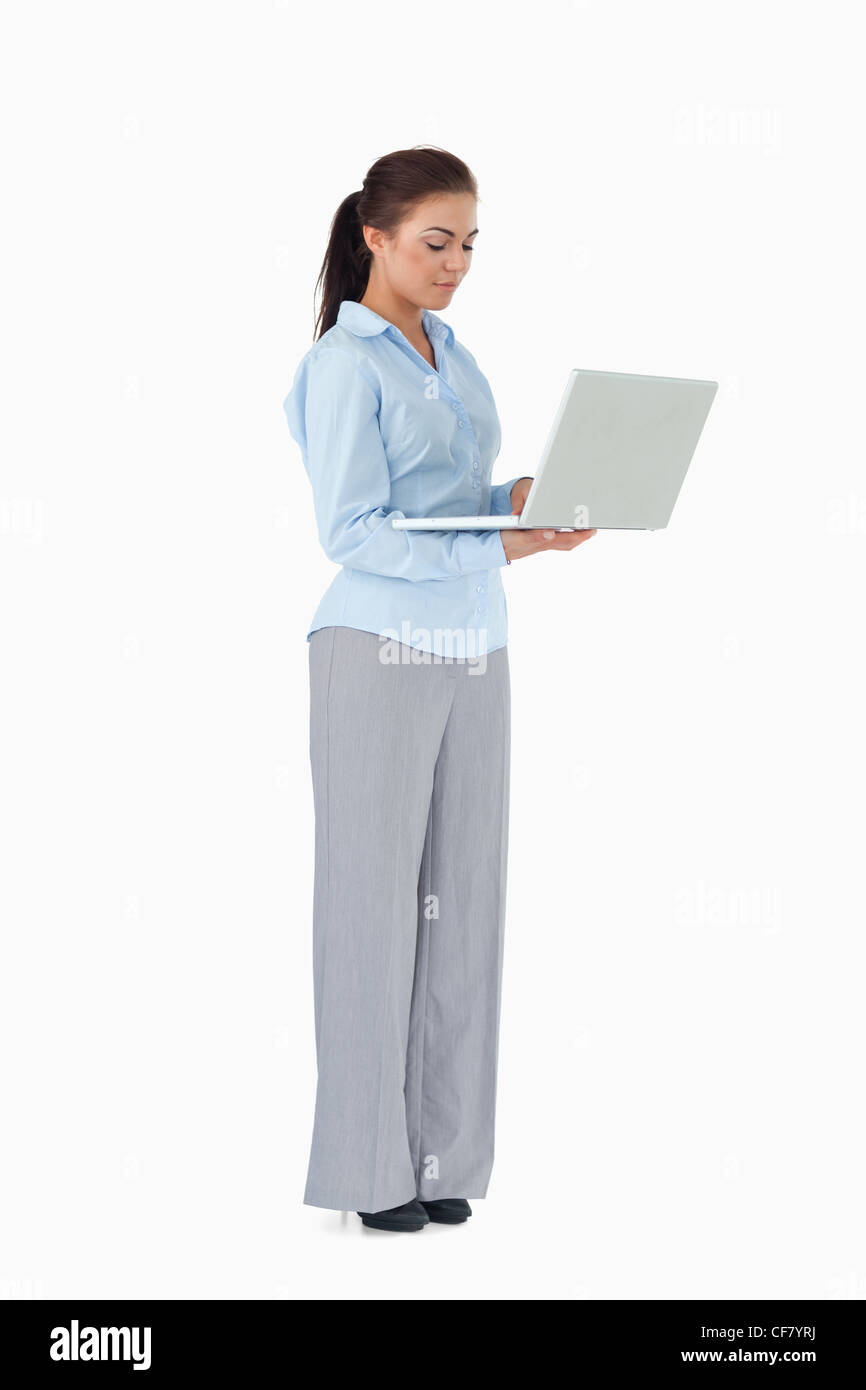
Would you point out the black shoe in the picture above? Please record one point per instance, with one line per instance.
(410, 1217)
(447, 1209)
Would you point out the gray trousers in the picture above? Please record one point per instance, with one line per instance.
(410, 765)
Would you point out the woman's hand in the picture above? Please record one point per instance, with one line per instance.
(516, 544)
(519, 494)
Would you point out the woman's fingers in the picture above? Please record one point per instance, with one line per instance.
(564, 541)
(518, 544)
(561, 540)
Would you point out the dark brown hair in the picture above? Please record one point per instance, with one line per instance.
(392, 188)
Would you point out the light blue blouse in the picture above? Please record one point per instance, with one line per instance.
(383, 435)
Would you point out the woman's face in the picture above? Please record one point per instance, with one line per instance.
(430, 254)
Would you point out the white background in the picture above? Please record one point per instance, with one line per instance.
(670, 188)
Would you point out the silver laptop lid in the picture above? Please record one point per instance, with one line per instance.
(618, 450)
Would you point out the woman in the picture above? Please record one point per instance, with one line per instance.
(409, 707)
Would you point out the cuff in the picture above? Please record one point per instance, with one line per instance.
(500, 496)
(480, 550)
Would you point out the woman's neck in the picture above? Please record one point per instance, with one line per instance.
(404, 315)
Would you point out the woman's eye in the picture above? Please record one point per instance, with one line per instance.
(442, 247)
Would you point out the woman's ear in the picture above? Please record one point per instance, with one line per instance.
(375, 239)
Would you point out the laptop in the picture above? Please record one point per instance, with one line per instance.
(615, 458)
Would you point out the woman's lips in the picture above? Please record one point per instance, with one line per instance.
(445, 286)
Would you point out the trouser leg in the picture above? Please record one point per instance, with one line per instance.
(375, 735)
(454, 1026)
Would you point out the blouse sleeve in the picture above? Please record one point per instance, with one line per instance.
(333, 414)
(500, 497)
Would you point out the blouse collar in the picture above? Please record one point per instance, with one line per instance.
(364, 323)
